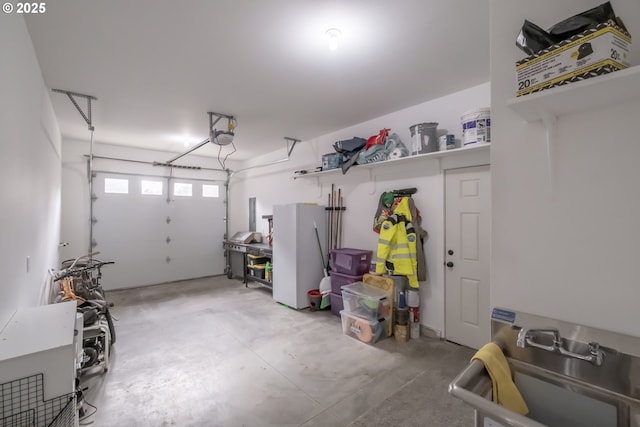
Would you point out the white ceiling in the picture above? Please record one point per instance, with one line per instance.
(158, 66)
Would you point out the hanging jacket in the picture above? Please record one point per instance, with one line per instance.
(397, 245)
(416, 220)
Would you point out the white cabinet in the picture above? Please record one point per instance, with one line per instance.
(38, 351)
(297, 265)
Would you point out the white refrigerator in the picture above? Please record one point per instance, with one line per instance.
(297, 264)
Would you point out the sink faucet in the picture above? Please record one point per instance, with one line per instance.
(595, 356)
(525, 339)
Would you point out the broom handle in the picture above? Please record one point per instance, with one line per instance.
(335, 220)
(339, 220)
(340, 206)
(330, 228)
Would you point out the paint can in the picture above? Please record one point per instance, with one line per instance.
(476, 126)
(412, 297)
(414, 314)
(424, 138)
(415, 330)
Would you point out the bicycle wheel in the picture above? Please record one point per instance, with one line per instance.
(112, 328)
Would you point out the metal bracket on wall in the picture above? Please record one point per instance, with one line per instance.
(293, 143)
(86, 116)
(90, 174)
(549, 122)
(372, 181)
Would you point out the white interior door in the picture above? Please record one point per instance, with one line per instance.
(467, 263)
(153, 235)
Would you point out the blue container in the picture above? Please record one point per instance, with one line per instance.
(331, 161)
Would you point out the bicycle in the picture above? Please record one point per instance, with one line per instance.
(79, 280)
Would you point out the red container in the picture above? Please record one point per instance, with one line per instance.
(354, 262)
(414, 314)
(338, 280)
(336, 303)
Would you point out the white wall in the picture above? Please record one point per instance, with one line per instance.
(75, 184)
(30, 143)
(565, 248)
(275, 185)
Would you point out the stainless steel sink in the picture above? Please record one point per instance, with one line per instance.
(560, 388)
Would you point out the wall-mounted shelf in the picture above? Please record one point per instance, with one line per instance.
(590, 94)
(403, 161)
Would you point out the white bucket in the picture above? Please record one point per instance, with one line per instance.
(413, 298)
(476, 126)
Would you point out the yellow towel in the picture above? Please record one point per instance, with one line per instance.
(505, 392)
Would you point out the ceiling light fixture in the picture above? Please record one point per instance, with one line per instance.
(333, 34)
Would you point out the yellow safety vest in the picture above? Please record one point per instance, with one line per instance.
(397, 245)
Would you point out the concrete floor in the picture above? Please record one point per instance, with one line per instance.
(210, 352)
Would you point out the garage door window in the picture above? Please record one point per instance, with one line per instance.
(151, 188)
(116, 186)
(182, 189)
(210, 190)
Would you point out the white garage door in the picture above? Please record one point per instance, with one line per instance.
(157, 229)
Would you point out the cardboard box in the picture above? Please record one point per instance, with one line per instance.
(593, 52)
(401, 333)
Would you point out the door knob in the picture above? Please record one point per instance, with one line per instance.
(449, 264)
(450, 252)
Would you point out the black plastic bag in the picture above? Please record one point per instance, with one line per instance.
(349, 146)
(582, 21)
(532, 39)
(350, 149)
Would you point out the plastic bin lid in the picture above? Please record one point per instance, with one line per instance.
(363, 290)
(351, 251)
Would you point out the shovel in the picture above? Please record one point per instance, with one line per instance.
(325, 283)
